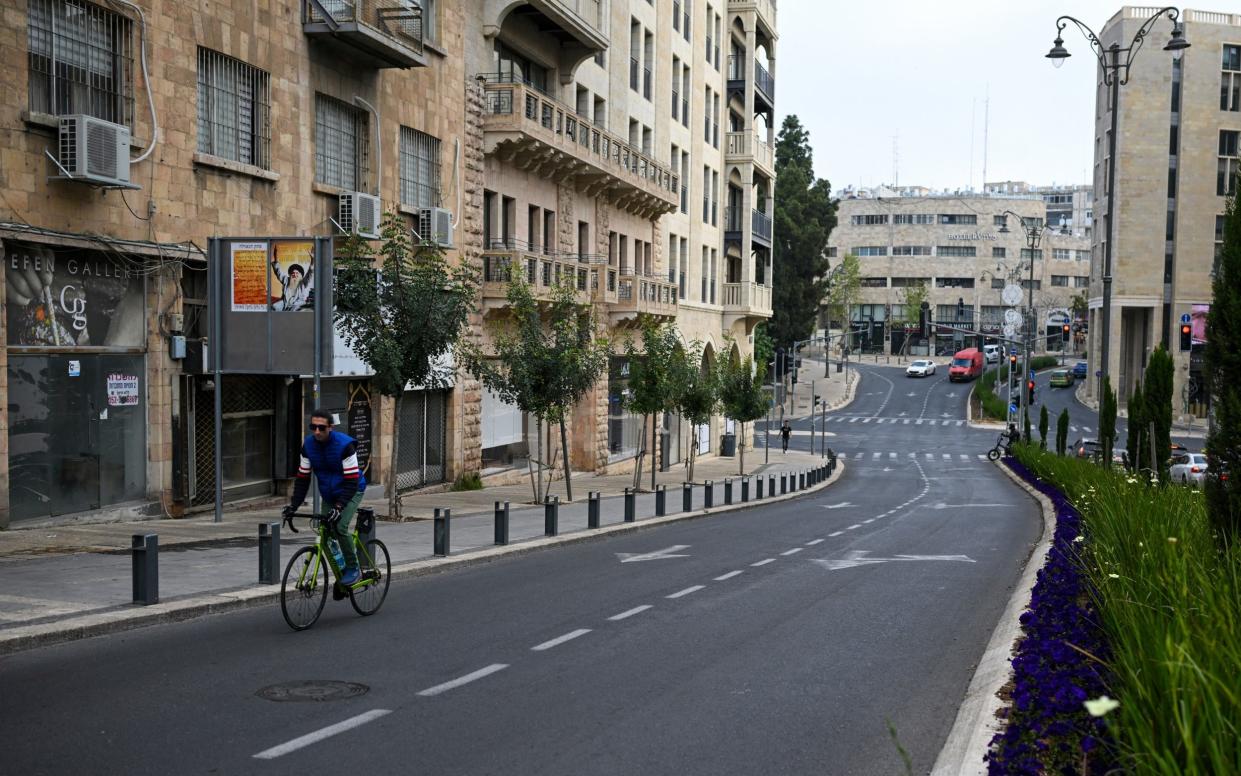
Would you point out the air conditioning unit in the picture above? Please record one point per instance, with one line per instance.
(435, 226)
(360, 213)
(94, 151)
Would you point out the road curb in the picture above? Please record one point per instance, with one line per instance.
(976, 723)
(125, 618)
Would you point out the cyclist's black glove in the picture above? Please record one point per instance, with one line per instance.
(288, 511)
(333, 517)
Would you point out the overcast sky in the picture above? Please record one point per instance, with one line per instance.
(861, 73)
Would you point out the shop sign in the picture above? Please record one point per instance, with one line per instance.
(70, 298)
(973, 236)
(122, 390)
(358, 421)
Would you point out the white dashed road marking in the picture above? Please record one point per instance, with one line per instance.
(793, 551)
(479, 674)
(764, 562)
(629, 613)
(835, 533)
(686, 591)
(729, 575)
(560, 640)
(319, 735)
(813, 542)
(855, 525)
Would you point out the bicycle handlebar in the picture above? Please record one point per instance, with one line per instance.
(288, 520)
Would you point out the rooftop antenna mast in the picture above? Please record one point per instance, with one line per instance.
(973, 124)
(986, 125)
(896, 162)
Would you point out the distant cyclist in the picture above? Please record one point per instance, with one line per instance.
(333, 457)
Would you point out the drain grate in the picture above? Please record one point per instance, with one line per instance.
(312, 690)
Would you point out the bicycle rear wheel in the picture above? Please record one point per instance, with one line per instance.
(303, 591)
(369, 593)
(993, 454)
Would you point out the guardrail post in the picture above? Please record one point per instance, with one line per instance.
(728, 490)
(551, 517)
(758, 489)
(269, 553)
(708, 494)
(745, 489)
(661, 496)
(501, 521)
(631, 509)
(145, 550)
(687, 497)
(592, 509)
(441, 538)
(361, 517)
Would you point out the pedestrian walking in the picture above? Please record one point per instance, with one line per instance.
(785, 432)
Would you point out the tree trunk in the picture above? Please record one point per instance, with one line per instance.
(741, 449)
(538, 446)
(568, 468)
(637, 464)
(654, 448)
(394, 494)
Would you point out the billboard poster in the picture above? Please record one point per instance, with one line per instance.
(1198, 323)
(71, 297)
(292, 276)
(249, 277)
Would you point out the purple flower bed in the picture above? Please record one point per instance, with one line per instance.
(1047, 729)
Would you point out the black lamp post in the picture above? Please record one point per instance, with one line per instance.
(1116, 73)
(1033, 228)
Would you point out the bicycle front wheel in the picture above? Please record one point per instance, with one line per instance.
(303, 591)
(993, 454)
(368, 594)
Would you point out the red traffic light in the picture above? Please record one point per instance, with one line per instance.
(1066, 328)
(1012, 359)
(1030, 385)
(1185, 328)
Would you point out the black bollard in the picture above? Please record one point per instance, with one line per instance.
(145, 550)
(687, 497)
(784, 483)
(661, 496)
(269, 553)
(551, 517)
(501, 521)
(708, 494)
(801, 480)
(592, 509)
(745, 489)
(758, 490)
(366, 525)
(441, 537)
(631, 509)
(728, 490)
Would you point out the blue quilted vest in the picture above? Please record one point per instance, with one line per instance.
(326, 464)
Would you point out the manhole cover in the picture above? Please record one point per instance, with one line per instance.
(312, 690)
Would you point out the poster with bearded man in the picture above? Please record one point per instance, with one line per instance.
(293, 282)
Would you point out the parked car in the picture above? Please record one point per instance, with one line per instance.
(1092, 449)
(992, 353)
(920, 368)
(1188, 468)
(1061, 378)
(1080, 370)
(966, 365)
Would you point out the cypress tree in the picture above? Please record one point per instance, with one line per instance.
(1062, 431)
(1042, 425)
(1134, 442)
(1107, 421)
(1158, 408)
(1223, 373)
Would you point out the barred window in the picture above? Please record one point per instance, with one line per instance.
(234, 108)
(341, 144)
(914, 218)
(420, 168)
(81, 60)
(869, 219)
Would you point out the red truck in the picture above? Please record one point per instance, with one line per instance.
(966, 365)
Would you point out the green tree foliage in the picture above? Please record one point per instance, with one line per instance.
(764, 348)
(805, 215)
(1223, 372)
(1043, 425)
(653, 373)
(1158, 407)
(1136, 444)
(403, 319)
(843, 289)
(1062, 431)
(547, 356)
(1025, 420)
(697, 398)
(742, 397)
(1107, 421)
(912, 298)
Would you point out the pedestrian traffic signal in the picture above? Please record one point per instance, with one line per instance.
(1185, 338)
(1065, 333)
(1030, 388)
(1012, 360)
(924, 319)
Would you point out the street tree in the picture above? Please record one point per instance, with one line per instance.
(742, 397)
(844, 289)
(1158, 408)
(1223, 376)
(1107, 421)
(805, 214)
(652, 380)
(547, 356)
(1043, 424)
(764, 348)
(1025, 420)
(912, 297)
(404, 319)
(696, 397)
(1062, 431)
(1135, 441)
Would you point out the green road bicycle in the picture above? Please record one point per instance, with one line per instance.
(304, 588)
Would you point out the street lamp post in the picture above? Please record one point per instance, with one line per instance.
(1115, 74)
(1033, 229)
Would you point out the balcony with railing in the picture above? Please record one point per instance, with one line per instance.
(747, 298)
(639, 294)
(749, 147)
(507, 259)
(377, 33)
(527, 128)
(766, 10)
(760, 228)
(764, 86)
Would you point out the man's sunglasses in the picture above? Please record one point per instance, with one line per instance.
(319, 427)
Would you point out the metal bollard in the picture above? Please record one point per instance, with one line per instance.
(784, 483)
(366, 516)
(687, 497)
(758, 492)
(551, 517)
(441, 531)
(801, 480)
(501, 515)
(745, 489)
(269, 553)
(728, 490)
(631, 510)
(592, 509)
(661, 497)
(145, 550)
(708, 494)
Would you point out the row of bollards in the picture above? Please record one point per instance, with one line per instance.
(145, 547)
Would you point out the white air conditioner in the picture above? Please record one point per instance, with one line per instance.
(360, 213)
(435, 226)
(94, 151)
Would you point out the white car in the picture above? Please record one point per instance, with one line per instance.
(1188, 468)
(920, 368)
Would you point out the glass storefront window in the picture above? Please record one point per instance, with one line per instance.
(624, 427)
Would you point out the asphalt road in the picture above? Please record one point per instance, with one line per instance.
(804, 637)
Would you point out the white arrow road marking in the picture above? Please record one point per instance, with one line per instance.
(858, 558)
(911, 393)
(841, 505)
(327, 732)
(667, 552)
(888, 469)
(963, 506)
(479, 674)
(945, 414)
(952, 395)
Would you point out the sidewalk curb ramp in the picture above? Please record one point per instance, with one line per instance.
(127, 617)
(976, 721)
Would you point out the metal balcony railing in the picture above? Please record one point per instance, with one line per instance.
(401, 22)
(761, 225)
(764, 82)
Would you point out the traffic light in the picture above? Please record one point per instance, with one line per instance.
(1030, 388)
(1012, 361)
(1185, 339)
(924, 319)
(1064, 334)
(960, 309)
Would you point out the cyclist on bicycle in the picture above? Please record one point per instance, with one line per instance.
(333, 457)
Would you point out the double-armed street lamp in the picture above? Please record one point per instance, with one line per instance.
(1116, 71)
(1033, 228)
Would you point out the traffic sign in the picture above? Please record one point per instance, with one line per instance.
(1012, 408)
(1184, 317)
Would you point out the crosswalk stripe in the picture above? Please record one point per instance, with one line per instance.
(930, 456)
(964, 457)
(1086, 429)
(919, 421)
(913, 455)
(982, 457)
(947, 457)
(960, 423)
(865, 420)
(906, 421)
(875, 457)
(1073, 429)
(892, 456)
(858, 457)
(854, 420)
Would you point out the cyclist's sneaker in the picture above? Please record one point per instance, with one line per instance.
(350, 577)
(339, 593)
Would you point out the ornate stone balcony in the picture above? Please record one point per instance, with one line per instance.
(638, 295)
(505, 259)
(526, 128)
(378, 33)
(748, 299)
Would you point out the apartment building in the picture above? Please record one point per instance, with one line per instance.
(513, 134)
(951, 245)
(1069, 208)
(1176, 163)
